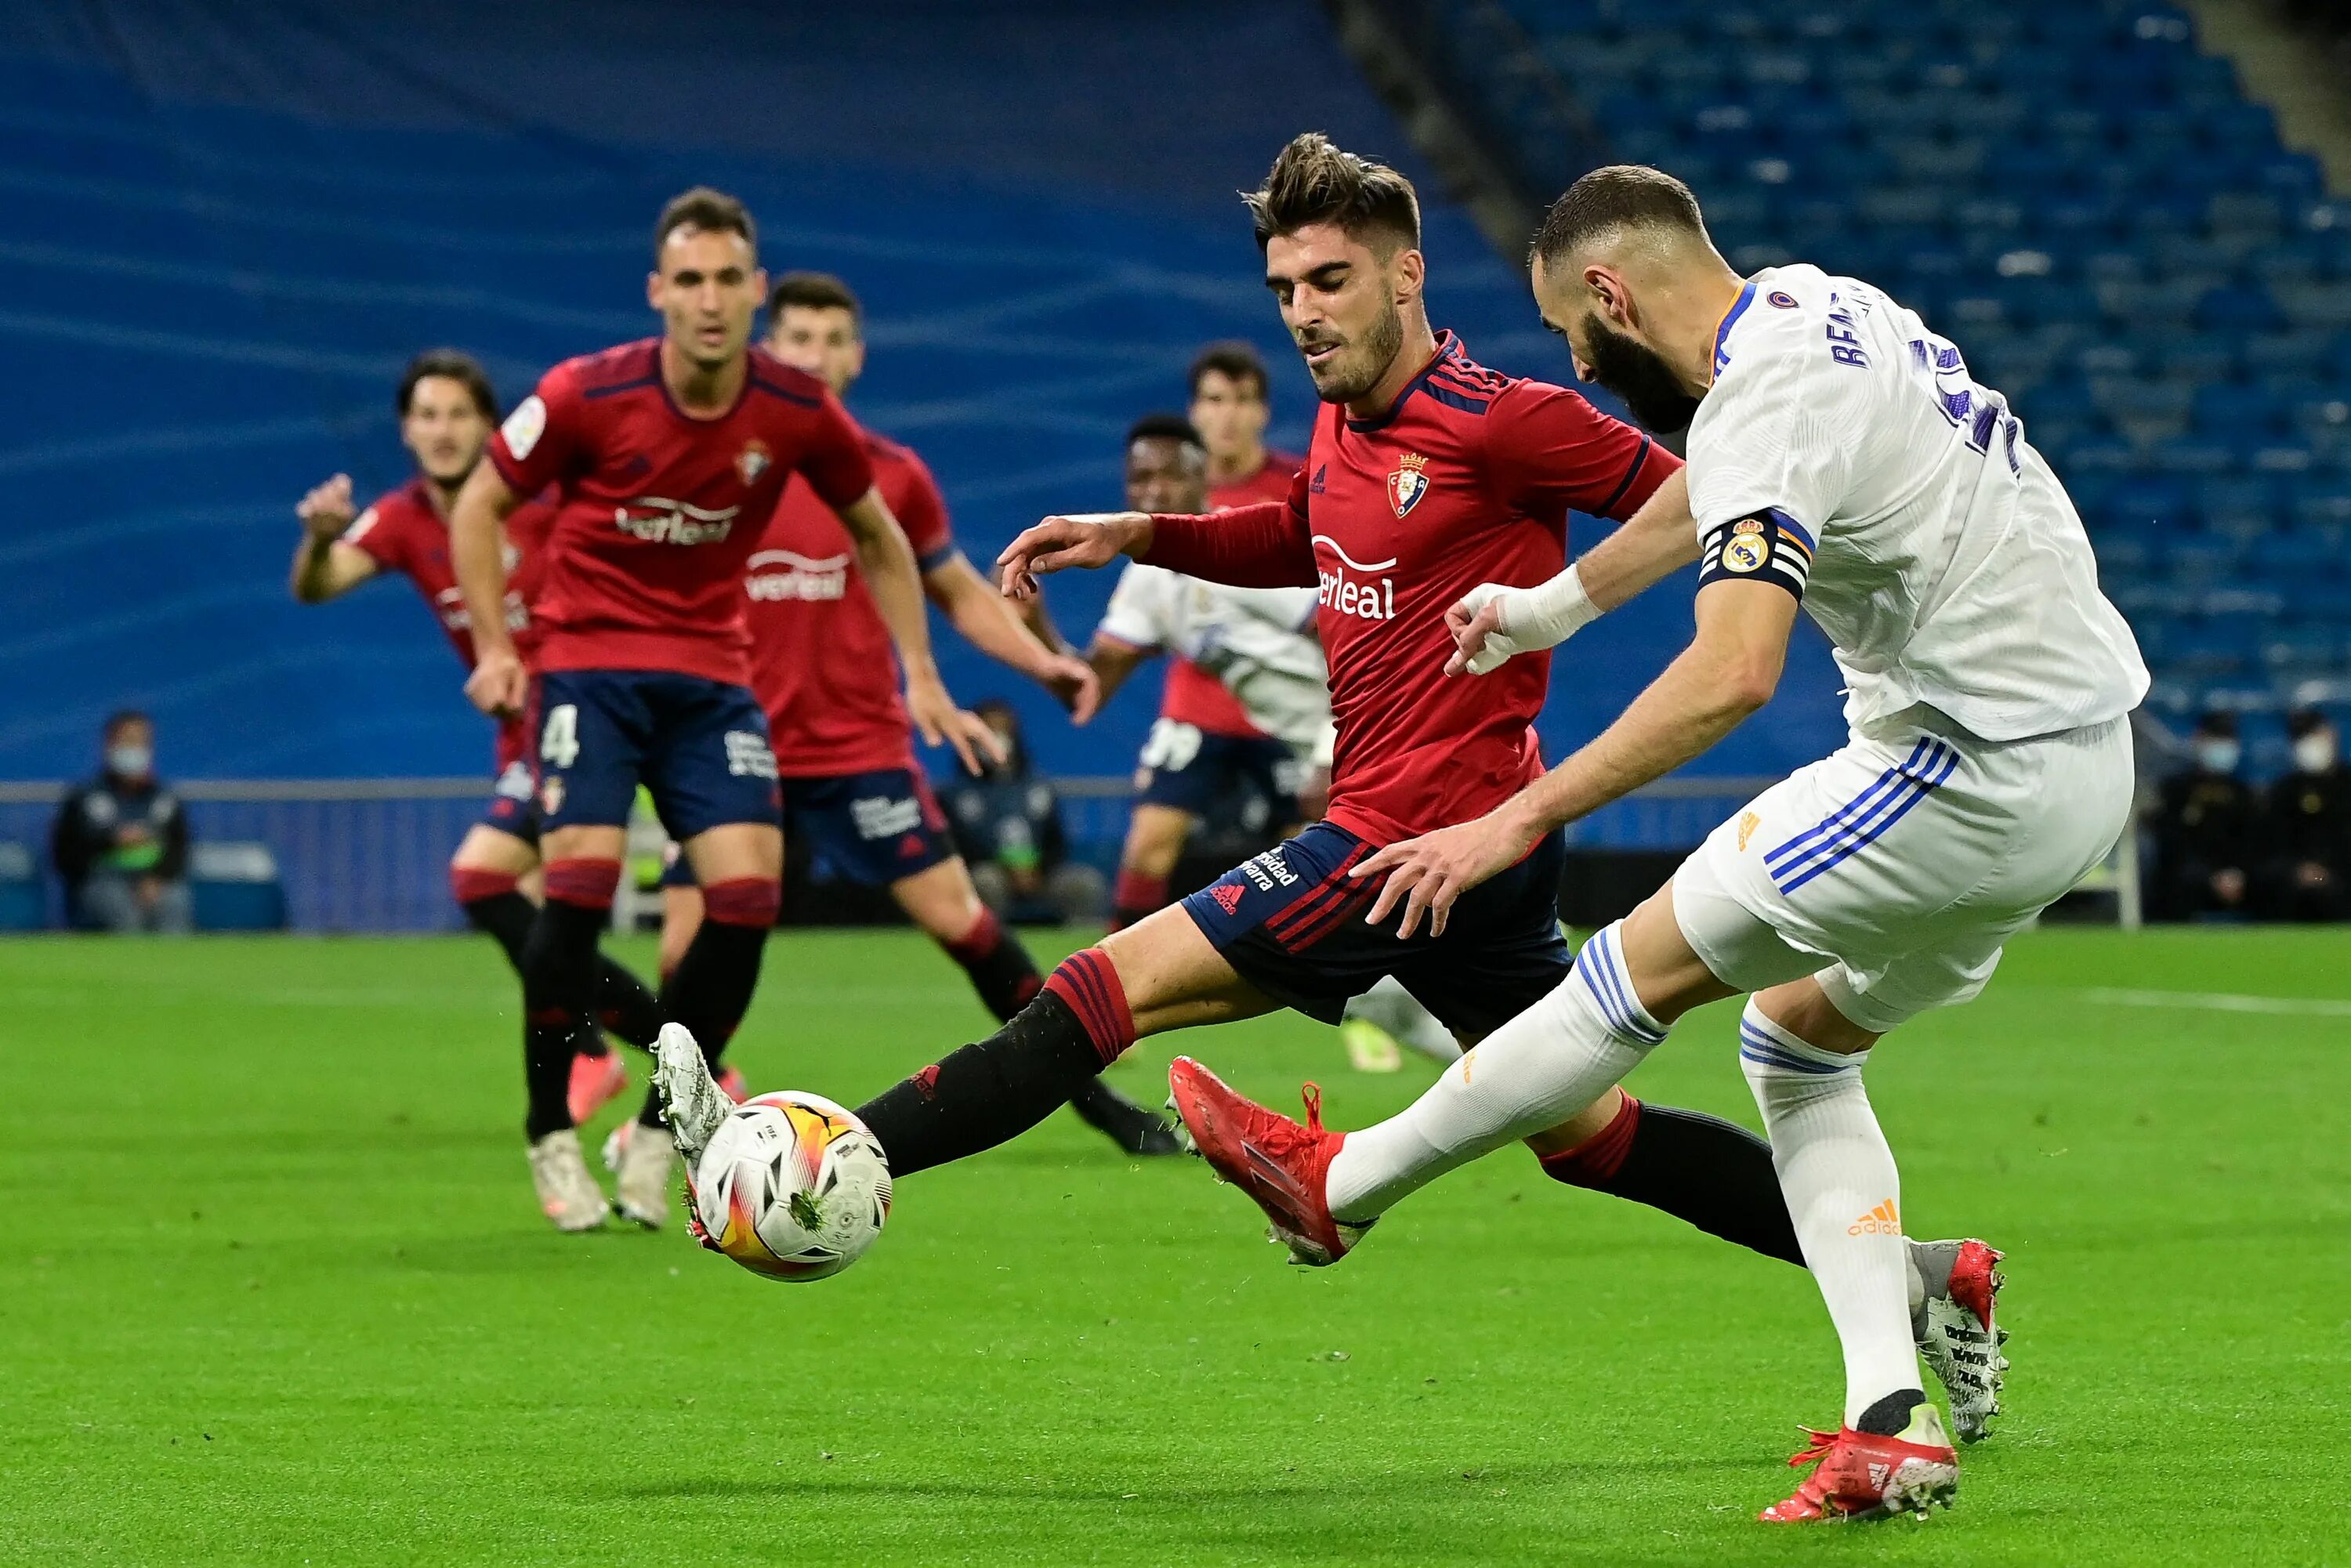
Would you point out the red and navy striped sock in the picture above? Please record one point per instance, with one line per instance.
(990, 1092)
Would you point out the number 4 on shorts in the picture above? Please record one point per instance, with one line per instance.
(558, 742)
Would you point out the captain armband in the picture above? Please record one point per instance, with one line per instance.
(1768, 546)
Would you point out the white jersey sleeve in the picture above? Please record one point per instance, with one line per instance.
(1142, 607)
(1846, 453)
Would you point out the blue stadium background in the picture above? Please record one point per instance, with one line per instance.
(226, 230)
(227, 226)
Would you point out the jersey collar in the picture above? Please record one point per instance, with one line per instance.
(1730, 319)
(1448, 347)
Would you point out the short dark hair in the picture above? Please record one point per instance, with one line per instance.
(813, 291)
(1165, 427)
(1314, 181)
(1233, 359)
(121, 719)
(708, 209)
(1621, 196)
(448, 364)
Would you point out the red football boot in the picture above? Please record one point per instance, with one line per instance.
(1281, 1165)
(731, 1083)
(1865, 1477)
(595, 1079)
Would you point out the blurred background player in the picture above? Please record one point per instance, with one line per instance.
(1272, 734)
(820, 663)
(1008, 824)
(446, 410)
(2206, 824)
(667, 456)
(2307, 829)
(120, 841)
(1204, 742)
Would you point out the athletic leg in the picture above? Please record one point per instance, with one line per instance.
(490, 875)
(1159, 974)
(1155, 842)
(942, 902)
(739, 869)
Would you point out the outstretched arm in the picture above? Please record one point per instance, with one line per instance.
(1495, 621)
(1730, 669)
(498, 684)
(887, 563)
(1113, 660)
(325, 567)
(998, 630)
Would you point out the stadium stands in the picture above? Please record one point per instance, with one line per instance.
(2087, 203)
(224, 235)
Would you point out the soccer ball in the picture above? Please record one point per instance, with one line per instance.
(792, 1186)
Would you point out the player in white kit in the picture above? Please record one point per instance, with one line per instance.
(1261, 644)
(1841, 458)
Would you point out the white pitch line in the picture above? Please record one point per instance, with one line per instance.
(2219, 1002)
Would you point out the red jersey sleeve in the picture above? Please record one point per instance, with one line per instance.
(373, 532)
(834, 459)
(1267, 544)
(922, 513)
(1547, 451)
(539, 444)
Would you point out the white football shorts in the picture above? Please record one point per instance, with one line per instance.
(1905, 859)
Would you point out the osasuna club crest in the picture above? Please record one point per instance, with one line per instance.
(752, 461)
(1407, 483)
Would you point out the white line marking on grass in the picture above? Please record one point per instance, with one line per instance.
(2218, 1002)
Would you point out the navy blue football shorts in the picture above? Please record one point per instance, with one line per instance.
(871, 828)
(1191, 771)
(1290, 922)
(699, 746)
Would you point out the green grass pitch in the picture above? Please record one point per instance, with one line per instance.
(275, 1292)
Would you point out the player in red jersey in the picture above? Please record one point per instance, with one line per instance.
(665, 456)
(1203, 742)
(854, 795)
(446, 410)
(1428, 474)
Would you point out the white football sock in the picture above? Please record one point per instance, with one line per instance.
(1530, 1074)
(1845, 1196)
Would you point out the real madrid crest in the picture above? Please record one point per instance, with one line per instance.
(1747, 549)
(1408, 483)
(752, 461)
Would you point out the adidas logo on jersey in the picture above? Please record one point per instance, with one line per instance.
(1228, 896)
(1880, 1221)
(1314, 487)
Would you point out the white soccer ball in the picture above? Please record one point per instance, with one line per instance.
(792, 1186)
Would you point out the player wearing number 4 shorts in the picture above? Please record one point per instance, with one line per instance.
(446, 411)
(854, 794)
(1843, 460)
(666, 456)
(1428, 473)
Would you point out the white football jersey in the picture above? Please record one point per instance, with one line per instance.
(1259, 642)
(1931, 542)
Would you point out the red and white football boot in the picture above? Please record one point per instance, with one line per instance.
(1862, 1476)
(1278, 1162)
(1958, 1340)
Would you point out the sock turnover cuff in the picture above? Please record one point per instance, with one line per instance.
(584, 881)
(1088, 984)
(1765, 1046)
(471, 884)
(979, 941)
(1599, 969)
(744, 901)
(1599, 1157)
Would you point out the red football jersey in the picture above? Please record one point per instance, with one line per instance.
(822, 662)
(1466, 478)
(658, 511)
(1192, 694)
(406, 534)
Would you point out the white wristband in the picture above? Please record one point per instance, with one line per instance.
(1532, 618)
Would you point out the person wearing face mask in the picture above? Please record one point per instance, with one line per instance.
(120, 841)
(2204, 827)
(2307, 872)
